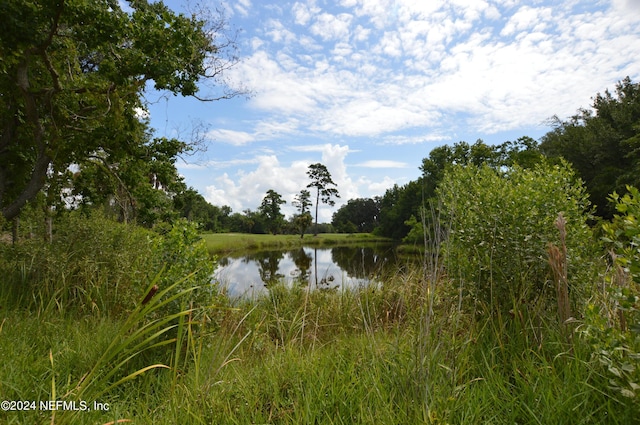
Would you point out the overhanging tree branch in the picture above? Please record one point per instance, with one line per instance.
(73, 75)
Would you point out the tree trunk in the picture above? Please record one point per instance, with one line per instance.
(43, 160)
(14, 229)
(315, 229)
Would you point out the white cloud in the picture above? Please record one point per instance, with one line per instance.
(379, 188)
(405, 71)
(233, 137)
(382, 163)
(360, 33)
(279, 33)
(390, 44)
(242, 6)
(261, 130)
(331, 27)
(497, 82)
(528, 18)
(142, 113)
(247, 188)
(627, 6)
(303, 13)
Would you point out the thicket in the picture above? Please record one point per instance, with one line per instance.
(612, 317)
(502, 222)
(97, 266)
(103, 303)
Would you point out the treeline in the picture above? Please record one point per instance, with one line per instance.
(601, 144)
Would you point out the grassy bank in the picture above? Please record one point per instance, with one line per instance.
(229, 242)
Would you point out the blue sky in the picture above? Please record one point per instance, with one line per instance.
(370, 87)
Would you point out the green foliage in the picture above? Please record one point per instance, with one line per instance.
(416, 234)
(303, 219)
(72, 77)
(602, 143)
(397, 206)
(613, 319)
(135, 184)
(270, 210)
(184, 257)
(301, 223)
(401, 202)
(357, 215)
(299, 356)
(501, 223)
(93, 265)
(624, 232)
(191, 205)
(324, 185)
(302, 201)
(120, 302)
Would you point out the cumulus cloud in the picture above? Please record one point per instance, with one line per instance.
(302, 13)
(500, 64)
(398, 72)
(379, 188)
(528, 19)
(331, 27)
(382, 163)
(246, 189)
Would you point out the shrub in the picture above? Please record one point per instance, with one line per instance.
(501, 222)
(613, 317)
(184, 257)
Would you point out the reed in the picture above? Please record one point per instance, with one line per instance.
(558, 263)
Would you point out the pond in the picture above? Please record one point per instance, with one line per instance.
(251, 274)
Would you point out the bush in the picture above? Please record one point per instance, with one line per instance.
(184, 257)
(501, 222)
(613, 317)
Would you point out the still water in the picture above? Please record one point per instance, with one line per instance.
(317, 268)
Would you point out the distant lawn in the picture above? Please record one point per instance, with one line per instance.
(229, 242)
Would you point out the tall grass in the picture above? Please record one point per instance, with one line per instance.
(405, 351)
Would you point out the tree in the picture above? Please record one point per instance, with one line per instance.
(302, 201)
(136, 185)
(303, 219)
(524, 152)
(397, 206)
(270, 210)
(321, 180)
(602, 144)
(191, 205)
(357, 215)
(301, 223)
(72, 76)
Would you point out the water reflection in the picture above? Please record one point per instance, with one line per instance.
(317, 268)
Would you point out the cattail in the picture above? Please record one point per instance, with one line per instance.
(150, 295)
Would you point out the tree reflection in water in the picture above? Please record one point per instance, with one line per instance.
(316, 268)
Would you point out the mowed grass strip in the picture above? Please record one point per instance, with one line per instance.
(228, 242)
